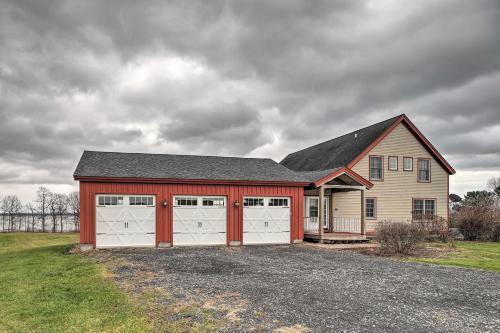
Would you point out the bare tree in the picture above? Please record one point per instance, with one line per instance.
(31, 209)
(11, 205)
(74, 207)
(494, 185)
(61, 207)
(52, 209)
(43, 195)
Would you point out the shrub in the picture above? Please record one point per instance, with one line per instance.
(478, 223)
(399, 237)
(435, 228)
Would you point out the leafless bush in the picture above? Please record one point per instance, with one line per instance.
(435, 228)
(478, 223)
(399, 237)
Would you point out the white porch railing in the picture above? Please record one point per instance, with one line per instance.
(311, 225)
(347, 224)
(340, 224)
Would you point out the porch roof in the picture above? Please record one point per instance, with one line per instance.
(346, 175)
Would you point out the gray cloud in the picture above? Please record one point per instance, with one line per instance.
(240, 78)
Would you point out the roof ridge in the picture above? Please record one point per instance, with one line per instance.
(185, 155)
(346, 134)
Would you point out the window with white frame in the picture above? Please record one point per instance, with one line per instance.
(407, 163)
(216, 202)
(371, 208)
(376, 168)
(252, 202)
(424, 209)
(186, 201)
(424, 170)
(141, 201)
(393, 163)
(110, 200)
(278, 202)
(313, 207)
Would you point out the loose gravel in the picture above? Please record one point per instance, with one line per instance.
(304, 288)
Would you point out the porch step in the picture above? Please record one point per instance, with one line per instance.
(335, 238)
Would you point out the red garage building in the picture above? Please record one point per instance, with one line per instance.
(162, 200)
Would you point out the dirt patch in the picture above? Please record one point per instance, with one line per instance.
(426, 251)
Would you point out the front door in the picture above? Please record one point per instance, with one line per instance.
(312, 210)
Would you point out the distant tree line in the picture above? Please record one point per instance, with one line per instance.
(49, 212)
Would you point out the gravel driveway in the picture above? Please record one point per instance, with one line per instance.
(304, 288)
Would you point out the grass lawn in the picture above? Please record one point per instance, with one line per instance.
(482, 255)
(45, 289)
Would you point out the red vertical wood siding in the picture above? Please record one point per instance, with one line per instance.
(164, 216)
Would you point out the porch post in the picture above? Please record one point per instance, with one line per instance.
(363, 221)
(332, 211)
(321, 212)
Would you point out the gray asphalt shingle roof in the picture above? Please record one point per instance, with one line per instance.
(336, 152)
(136, 165)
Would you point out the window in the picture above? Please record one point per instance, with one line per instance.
(376, 168)
(407, 163)
(278, 202)
(371, 208)
(110, 200)
(424, 209)
(393, 163)
(186, 201)
(141, 201)
(313, 207)
(424, 170)
(251, 202)
(216, 202)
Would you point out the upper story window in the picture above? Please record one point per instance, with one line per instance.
(393, 163)
(424, 170)
(407, 163)
(376, 168)
(371, 208)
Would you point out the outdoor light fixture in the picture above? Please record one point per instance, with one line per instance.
(164, 203)
(236, 204)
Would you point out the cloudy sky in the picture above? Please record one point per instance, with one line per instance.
(244, 78)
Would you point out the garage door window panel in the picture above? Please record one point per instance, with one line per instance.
(186, 202)
(253, 202)
(107, 200)
(213, 202)
(278, 202)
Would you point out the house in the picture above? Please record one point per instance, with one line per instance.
(338, 189)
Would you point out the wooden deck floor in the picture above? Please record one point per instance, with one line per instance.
(336, 237)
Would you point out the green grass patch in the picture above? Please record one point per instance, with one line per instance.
(45, 289)
(482, 255)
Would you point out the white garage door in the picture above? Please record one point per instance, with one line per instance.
(125, 220)
(199, 220)
(266, 220)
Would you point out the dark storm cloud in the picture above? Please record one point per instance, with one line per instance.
(212, 128)
(229, 77)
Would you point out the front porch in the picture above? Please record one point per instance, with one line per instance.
(321, 224)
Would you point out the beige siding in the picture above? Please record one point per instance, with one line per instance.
(395, 193)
